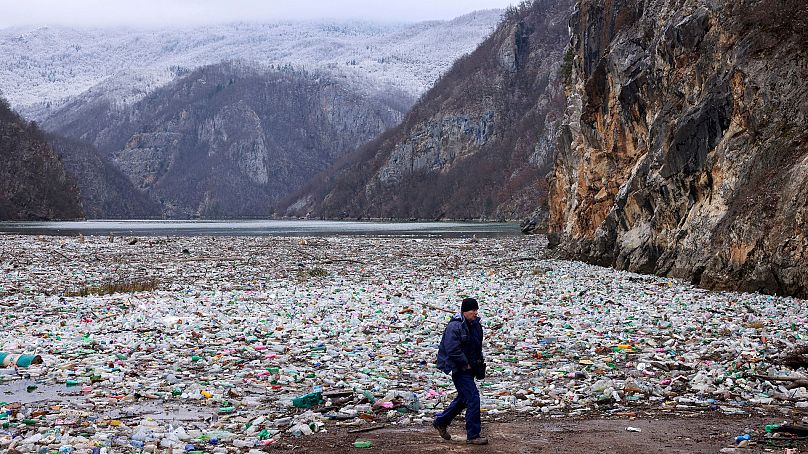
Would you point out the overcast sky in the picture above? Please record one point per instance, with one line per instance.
(194, 12)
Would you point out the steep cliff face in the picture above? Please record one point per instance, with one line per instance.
(684, 150)
(106, 193)
(229, 140)
(33, 181)
(478, 144)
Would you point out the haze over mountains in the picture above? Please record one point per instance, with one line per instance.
(43, 67)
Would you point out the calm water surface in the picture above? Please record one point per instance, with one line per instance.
(257, 228)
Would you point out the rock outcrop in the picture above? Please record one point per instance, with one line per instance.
(106, 193)
(684, 151)
(477, 145)
(229, 140)
(33, 181)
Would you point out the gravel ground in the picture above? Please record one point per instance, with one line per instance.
(691, 434)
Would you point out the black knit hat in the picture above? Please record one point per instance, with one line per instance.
(468, 304)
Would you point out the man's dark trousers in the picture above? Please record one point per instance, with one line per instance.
(467, 397)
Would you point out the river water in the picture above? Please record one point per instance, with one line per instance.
(260, 228)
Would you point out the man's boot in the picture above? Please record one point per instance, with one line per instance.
(478, 441)
(443, 431)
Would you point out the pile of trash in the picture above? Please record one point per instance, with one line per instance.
(249, 342)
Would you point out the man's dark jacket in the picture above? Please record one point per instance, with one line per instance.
(461, 346)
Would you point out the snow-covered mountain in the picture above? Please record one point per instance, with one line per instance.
(44, 67)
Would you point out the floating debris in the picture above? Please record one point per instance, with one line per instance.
(250, 341)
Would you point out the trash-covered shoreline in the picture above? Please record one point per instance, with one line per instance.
(243, 343)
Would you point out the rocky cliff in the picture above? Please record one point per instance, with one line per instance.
(33, 181)
(228, 140)
(684, 150)
(477, 145)
(106, 193)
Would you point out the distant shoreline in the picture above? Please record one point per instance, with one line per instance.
(259, 228)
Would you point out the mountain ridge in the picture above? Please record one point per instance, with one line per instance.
(33, 182)
(106, 193)
(228, 140)
(48, 66)
(476, 145)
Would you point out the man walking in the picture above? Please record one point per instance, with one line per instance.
(461, 354)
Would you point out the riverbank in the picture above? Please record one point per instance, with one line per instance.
(695, 433)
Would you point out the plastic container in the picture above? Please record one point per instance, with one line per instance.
(12, 359)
